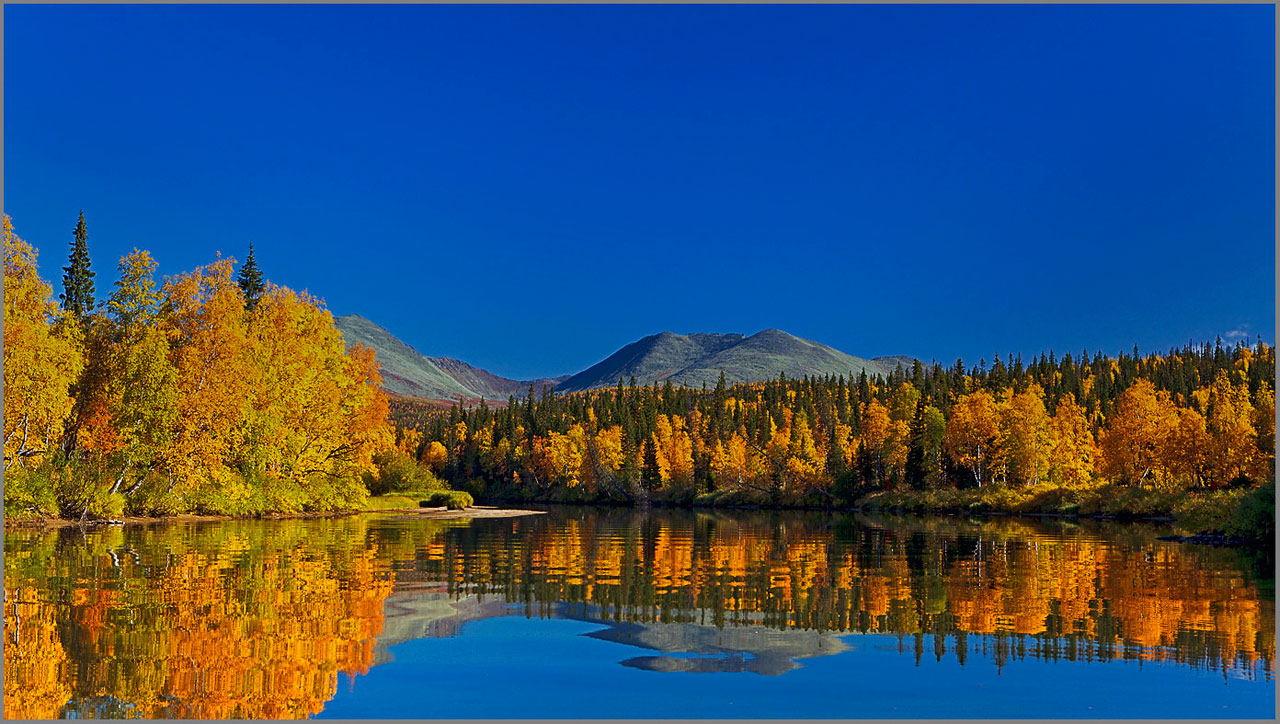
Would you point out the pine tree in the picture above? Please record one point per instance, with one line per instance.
(627, 472)
(77, 278)
(914, 470)
(251, 281)
(651, 476)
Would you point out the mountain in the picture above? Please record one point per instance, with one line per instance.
(405, 371)
(694, 359)
(655, 357)
(685, 359)
(895, 360)
(488, 385)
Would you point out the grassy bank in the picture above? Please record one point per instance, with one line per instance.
(1247, 513)
(454, 502)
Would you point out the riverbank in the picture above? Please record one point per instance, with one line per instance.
(1241, 513)
(1238, 514)
(440, 513)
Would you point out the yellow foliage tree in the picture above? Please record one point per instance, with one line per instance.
(1074, 452)
(1230, 422)
(1140, 424)
(42, 358)
(972, 434)
(1026, 441)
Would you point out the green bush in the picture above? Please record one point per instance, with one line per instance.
(451, 499)
(29, 493)
(1255, 517)
(85, 491)
(398, 472)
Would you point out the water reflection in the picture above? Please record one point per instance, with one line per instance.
(258, 618)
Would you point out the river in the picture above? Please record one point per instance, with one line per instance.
(595, 612)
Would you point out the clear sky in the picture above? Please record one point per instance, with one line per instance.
(528, 188)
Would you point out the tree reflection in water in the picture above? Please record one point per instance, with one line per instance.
(257, 618)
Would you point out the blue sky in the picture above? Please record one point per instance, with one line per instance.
(530, 187)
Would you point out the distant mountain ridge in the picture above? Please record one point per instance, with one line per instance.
(405, 371)
(696, 359)
(685, 359)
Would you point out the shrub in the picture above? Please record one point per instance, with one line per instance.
(451, 499)
(1255, 517)
(29, 492)
(398, 471)
(85, 491)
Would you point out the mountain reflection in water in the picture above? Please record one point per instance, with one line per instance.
(257, 618)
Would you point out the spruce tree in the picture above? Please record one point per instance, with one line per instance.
(627, 472)
(251, 281)
(77, 277)
(914, 470)
(651, 475)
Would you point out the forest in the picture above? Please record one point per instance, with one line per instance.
(1079, 431)
(203, 393)
(220, 392)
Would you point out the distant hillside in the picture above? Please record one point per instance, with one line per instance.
(405, 371)
(685, 359)
(894, 360)
(655, 357)
(488, 385)
(694, 359)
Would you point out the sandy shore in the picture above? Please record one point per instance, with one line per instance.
(478, 511)
(475, 511)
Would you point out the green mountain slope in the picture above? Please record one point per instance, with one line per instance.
(488, 385)
(685, 359)
(765, 355)
(405, 371)
(695, 359)
(655, 357)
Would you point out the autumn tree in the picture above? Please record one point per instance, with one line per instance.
(1025, 436)
(208, 346)
(1074, 453)
(1264, 407)
(317, 414)
(1188, 450)
(1139, 425)
(42, 358)
(932, 444)
(1230, 423)
(129, 402)
(876, 437)
(972, 433)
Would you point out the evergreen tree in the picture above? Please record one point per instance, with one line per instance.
(914, 469)
(251, 281)
(627, 472)
(651, 475)
(77, 278)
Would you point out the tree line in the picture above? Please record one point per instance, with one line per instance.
(1199, 417)
(208, 391)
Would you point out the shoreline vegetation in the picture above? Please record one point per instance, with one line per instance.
(1187, 435)
(1245, 516)
(437, 513)
(216, 393)
(210, 393)
(1229, 517)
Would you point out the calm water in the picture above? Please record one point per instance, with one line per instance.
(618, 613)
